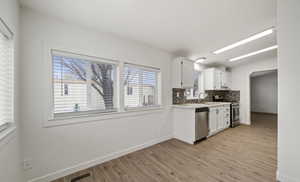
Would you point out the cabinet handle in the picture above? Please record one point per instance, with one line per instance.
(181, 74)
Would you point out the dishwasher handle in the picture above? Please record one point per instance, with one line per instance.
(202, 109)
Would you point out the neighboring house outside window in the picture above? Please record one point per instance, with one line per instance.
(150, 99)
(66, 89)
(129, 90)
(144, 84)
(86, 85)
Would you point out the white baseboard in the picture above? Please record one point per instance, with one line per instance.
(283, 178)
(67, 171)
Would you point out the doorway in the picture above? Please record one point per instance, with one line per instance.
(263, 97)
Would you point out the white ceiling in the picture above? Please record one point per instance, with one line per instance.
(191, 28)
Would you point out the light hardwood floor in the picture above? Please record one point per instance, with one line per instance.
(241, 154)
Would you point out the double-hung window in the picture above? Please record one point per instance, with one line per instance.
(194, 92)
(6, 76)
(141, 85)
(82, 84)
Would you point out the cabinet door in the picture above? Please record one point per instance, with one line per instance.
(213, 119)
(187, 74)
(209, 79)
(223, 79)
(227, 116)
(176, 73)
(221, 124)
(217, 79)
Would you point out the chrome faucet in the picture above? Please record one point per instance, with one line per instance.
(202, 96)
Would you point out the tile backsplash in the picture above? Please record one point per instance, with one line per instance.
(178, 95)
(224, 95)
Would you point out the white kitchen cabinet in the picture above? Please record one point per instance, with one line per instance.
(226, 113)
(225, 78)
(183, 73)
(184, 117)
(221, 124)
(219, 118)
(213, 120)
(216, 79)
(184, 124)
(209, 79)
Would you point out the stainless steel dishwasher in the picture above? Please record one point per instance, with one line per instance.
(201, 117)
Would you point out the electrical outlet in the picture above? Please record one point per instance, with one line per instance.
(27, 164)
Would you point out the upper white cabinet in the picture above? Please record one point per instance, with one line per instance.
(216, 79)
(183, 73)
(225, 78)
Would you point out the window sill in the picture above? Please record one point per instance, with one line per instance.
(7, 132)
(68, 120)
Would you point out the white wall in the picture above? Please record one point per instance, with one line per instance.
(57, 151)
(10, 163)
(264, 93)
(288, 27)
(241, 81)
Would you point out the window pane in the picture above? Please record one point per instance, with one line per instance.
(141, 86)
(71, 74)
(6, 81)
(82, 85)
(131, 81)
(149, 86)
(193, 93)
(102, 86)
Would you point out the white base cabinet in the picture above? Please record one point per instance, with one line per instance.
(213, 120)
(184, 125)
(219, 118)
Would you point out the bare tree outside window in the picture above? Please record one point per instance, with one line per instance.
(101, 79)
(82, 85)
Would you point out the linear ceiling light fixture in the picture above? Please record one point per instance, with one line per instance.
(254, 53)
(245, 41)
(200, 60)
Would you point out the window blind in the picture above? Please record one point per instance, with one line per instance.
(140, 86)
(6, 78)
(80, 84)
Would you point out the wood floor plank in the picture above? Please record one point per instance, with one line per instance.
(59, 180)
(89, 178)
(241, 154)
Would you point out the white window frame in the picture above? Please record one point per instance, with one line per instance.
(200, 87)
(90, 59)
(52, 120)
(157, 90)
(9, 126)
